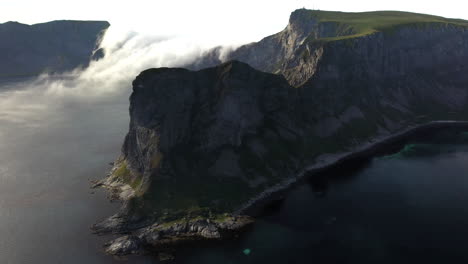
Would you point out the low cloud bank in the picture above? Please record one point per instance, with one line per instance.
(105, 81)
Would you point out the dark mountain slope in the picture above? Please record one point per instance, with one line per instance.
(56, 46)
(205, 143)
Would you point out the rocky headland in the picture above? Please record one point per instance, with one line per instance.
(206, 145)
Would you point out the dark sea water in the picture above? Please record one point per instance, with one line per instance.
(406, 207)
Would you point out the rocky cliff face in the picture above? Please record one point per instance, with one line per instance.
(270, 53)
(56, 46)
(296, 51)
(207, 141)
(191, 134)
(412, 72)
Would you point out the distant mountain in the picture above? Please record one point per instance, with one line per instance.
(57, 46)
(204, 144)
(296, 51)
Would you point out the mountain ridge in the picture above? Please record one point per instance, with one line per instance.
(53, 47)
(202, 143)
(309, 32)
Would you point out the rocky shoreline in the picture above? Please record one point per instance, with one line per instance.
(378, 145)
(161, 238)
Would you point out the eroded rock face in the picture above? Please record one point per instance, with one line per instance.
(296, 51)
(271, 53)
(217, 137)
(160, 237)
(56, 46)
(207, 119)
(124, 245)
(240, 123)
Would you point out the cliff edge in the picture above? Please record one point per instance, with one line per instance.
(202, 144)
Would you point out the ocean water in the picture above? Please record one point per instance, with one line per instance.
(50, 147)
(405, 207)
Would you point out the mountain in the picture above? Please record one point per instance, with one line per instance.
(57, 46)
(205, 145)
(296, 51)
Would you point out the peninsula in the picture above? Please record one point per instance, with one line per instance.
(205, 144)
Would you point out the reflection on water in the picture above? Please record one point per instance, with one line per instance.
(47, 155)
(408, 207)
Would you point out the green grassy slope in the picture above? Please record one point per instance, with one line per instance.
(366, 23)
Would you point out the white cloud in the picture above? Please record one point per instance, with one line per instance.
(108, 80)
(147, 34)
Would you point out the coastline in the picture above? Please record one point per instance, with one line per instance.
(255, 205)
(161, 238)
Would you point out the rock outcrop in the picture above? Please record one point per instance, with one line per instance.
(296, 51)
(205, 142)
(57, 46)
(161, 237)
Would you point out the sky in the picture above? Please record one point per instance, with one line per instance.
(223, 21)
(171, 33)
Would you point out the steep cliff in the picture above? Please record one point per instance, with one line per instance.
(202, 143)
(295, 51)
(56, 46)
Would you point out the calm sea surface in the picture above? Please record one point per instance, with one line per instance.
(408, 207)
(50, 146)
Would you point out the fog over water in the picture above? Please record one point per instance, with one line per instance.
(57, 132)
